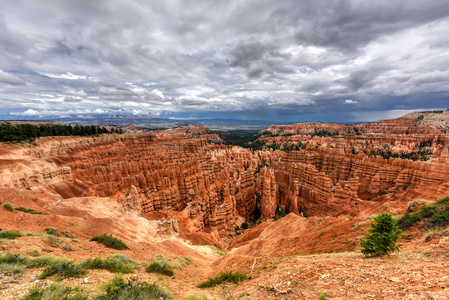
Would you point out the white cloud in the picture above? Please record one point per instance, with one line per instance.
(158, 93)
(69, 76)
(349, 101)
(29, 112)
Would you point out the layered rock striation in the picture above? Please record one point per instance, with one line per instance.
(318, 182)
(213, 183)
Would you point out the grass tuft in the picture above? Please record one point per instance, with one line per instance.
(64, 268)
(68, 234)
(53, 241)
(161, 267)
(118, 288)
(10, 235)
(184, 261)
(11, 269)
(223, 277)
(12, 264)
(56, 291)
(115, 263)
(34, 251)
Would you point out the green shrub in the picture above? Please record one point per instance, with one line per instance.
(51, 230)
(133, 289)
(54, 241)
(439, 219)
(30, 211)
(14, 259)
(11, 269)
(245, 225)
(10, 235)
(382, 237)
(227, 276)
(42, 261)
(115, 263)
(426, 211)
(408, 220)
(443, 201)
(56, 291)
(435, 215)
(34, 251)
(322, 296)
(161, 267)
(8, 206)
(35, 234)
(67, 247)
(184, 260)
(12, 264)
(67, 233)
(110, 241)
(64, 268)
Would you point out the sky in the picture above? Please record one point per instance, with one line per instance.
(279, 60)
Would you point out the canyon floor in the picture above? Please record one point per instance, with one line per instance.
(307, 196)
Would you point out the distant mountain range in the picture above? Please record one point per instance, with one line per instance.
(150, 121)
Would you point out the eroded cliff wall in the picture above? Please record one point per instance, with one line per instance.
(213, 183)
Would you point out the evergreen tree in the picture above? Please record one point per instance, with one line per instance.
(382, 237)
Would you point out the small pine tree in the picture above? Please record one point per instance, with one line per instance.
(382, 237)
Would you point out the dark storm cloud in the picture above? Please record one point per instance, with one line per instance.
(282, 57)
(349, 25)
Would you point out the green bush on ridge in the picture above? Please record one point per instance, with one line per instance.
(110, 241)
(435, 215)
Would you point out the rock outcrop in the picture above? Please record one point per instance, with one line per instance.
(131, 203)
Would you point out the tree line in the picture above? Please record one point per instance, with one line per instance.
(27, 132)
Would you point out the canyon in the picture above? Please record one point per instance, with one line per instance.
(311, 189)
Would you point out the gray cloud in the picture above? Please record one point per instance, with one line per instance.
(292, 58)
(10, 79)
